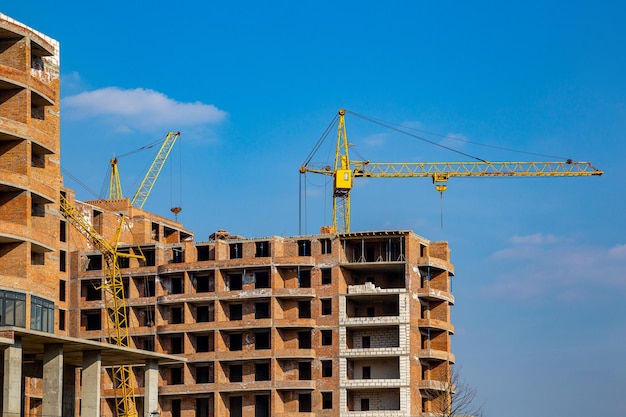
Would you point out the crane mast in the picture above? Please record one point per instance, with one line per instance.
(345, 171)
(113, 289)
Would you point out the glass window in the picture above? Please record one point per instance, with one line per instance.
(12, 309)
(41, 314)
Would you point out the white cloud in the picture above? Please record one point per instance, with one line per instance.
(139, 108)
(546, 265)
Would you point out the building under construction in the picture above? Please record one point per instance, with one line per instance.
(335, 324)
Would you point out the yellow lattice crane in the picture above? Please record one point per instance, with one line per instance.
(344, 171)
(113, 289)
(142, 193)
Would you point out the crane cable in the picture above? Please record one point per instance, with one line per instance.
(399, 128)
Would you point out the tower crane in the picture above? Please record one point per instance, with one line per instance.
(142, 193)
(345, 170)
(113, 289)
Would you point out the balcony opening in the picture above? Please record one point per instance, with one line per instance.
(205, 283)
(177, 285)
(150, 255)
(204, 314)
(91, 290)
(204, 253)
(235, 406)
(178, 255)
(93, 320)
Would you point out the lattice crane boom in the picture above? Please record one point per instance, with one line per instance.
(113, 289)
(148, 181)
(344, 171)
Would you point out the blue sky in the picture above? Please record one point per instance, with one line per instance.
(540, 263)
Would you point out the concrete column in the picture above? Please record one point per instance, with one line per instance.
(12, 380)
(151, 389)
(52, 403)
(90, 400)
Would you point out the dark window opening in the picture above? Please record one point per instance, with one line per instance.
(304, 371)
(94, 262)
(304, 278)
(150, 255)
(304, 248)
(235, 311)
(61, 319)
(326, 246)
(326, 276)
(365, 404)
(235, 341)
(367, 372)
(204, 314)
(176, 285)
(263, 340)
(203, 374)
(202, 407)
(62, 289)
(304, 403)
(262, 405)
(93, 321)
(204, 253)
(203, 343)
(262, 371)
(365, 342)
(155, 231)
(262, 249)
(37, 209)
(326, 306)
(327, 400)
(205, 283)
(370, 311)
(304, 339)
(37, 258)
(235, 282)
(262, 310)
(149, 288)
(176, 315)
(148, 344)
(327, 368)
(235, 373)
(236, 250)
(62, 231)
(304, 309)
(235, 406)
(327, 337)
(262, 279)
(176, 408)
(178, 255)
(123, 262)
(176, 376)
(93, 291)
(176, 344)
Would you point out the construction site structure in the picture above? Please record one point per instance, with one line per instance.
(344, 171)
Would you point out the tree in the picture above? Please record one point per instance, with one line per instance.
(453, 398)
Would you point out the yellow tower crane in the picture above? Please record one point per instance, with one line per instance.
(113, 289)
(344, 171)
(142, 193)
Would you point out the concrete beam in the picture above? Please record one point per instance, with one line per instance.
(90, 402)
(52, 403)
(12, 380)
